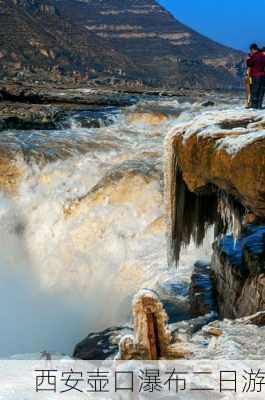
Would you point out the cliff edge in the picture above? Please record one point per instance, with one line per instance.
(215, 175)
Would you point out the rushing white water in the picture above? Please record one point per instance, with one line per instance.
(83, 233)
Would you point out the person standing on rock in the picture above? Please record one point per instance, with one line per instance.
(248, 85)
(256, 62)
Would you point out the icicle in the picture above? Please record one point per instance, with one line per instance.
(170, 194)
(231, 213)
(189, 215)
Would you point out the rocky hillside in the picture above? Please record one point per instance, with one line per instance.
(110, 40)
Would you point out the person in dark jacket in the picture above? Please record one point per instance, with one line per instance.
(256, 63)
(248, 86)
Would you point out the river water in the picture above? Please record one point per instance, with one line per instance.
(84, 229)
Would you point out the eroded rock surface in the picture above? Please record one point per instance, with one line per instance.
(239, 269)
(152, 339)
(100, 345)
(218, 151)
(215, 175)
(28, 116)
(202, 296)
(10, 172)
(226, 149)
(66, 96)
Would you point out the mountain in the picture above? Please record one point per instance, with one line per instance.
(122, 40)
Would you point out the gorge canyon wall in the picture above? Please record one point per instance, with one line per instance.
(135, 42)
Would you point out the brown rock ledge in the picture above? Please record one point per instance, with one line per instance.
(218, 151)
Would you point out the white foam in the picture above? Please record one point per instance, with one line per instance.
(63, 277)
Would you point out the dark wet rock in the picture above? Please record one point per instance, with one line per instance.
(174, 297)
(101, 345)
(193, 325)
(50, 94)
(91, 118)
(239, 269)
(28, 116)
(202, 295)
(208, 104)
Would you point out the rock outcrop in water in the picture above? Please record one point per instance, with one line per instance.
(202, 296)
(106, 41)
(28, 116)
(100, 345)
(215, 175)
(152, 338)
(67, 97)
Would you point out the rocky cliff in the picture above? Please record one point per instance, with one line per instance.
(37, 40)
(113, 41)
(215, 175)
(239, 270)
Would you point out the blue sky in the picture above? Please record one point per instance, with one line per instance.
(232, 22)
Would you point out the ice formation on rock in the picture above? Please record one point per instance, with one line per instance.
(213, 175)
(152, 338)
